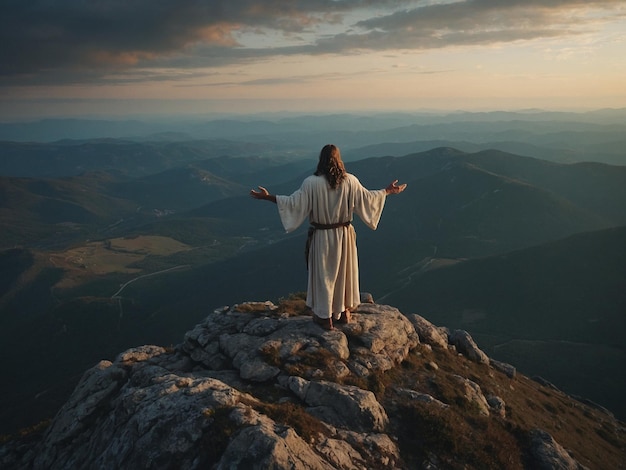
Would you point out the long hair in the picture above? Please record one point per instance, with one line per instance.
(331, 166)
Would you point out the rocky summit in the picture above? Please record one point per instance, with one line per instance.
(261, 386)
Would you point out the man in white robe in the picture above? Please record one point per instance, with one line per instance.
(333, 279)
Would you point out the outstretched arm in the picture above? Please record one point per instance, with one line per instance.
(263, 194)
(393, 188)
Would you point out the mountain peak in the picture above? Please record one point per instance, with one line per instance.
(260, 385)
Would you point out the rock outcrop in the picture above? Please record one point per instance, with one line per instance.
(465, 344)
(428, 332)
(547, 454)
(254, 387)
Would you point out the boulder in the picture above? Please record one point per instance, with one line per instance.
(352, 450)
(472, 394)
(547, 454)
(262, 443)
(420, 397)
(497, 405)
(385, 334)
(465, 344)
(507, 369)
(345, 406)
(428, 333)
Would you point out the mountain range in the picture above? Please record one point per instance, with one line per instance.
(505, 246)
(596, 136)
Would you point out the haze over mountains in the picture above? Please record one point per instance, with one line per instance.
(512, 227)
(557, 136)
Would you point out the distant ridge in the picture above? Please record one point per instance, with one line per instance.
(555, 136)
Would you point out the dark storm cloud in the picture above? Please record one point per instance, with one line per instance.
(72, 41)
(41, 36)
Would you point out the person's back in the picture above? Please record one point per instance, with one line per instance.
(328, 199)
(331, 205)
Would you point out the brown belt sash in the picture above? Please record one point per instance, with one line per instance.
(315, 226)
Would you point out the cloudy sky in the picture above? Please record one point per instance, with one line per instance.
(118, 57)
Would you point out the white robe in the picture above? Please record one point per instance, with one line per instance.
(333, 283)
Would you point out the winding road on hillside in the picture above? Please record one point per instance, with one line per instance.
(175, 268)
(123, 286)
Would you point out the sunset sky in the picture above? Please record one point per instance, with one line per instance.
(128, 57)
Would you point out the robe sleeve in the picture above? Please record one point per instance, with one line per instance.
(294, 209)
(369, 204)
